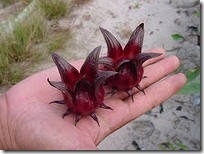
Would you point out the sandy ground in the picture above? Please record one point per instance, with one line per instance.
(178, 127)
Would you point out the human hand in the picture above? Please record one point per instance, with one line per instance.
(29, 122)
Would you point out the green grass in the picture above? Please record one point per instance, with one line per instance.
(178, 145)
(53, 9)
(197, 13)
(136, 6)
(17, 45)
(6, 3)
(56, 40)
(8, 72)
(29, 42)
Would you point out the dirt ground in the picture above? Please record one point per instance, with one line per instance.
(178, 126)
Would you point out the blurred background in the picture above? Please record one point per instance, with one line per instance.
(31, 29)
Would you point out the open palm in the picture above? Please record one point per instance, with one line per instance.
(33, 123)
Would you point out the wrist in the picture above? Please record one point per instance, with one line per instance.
(4, 131)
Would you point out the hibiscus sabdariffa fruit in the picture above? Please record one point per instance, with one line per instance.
(83, 91)
(127, 62)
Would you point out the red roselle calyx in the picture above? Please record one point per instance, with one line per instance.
(127, 62)
(83, 91)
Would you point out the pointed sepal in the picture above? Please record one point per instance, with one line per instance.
(102, 76)
(134, 45)
(90, 67)
(104, 106)
(66, 113)
(68, 73)
(93, 115)
(77, 118)
(57, 102)
(142, 57)
(107, 62)
(59, 85)
(115, 50)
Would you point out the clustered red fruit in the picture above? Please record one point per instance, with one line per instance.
(121, 69)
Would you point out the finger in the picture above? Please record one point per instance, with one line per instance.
(153, 60)
(155, 72)
(125, 111)
(159, 70)
(157, 93)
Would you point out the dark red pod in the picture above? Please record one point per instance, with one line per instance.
(127, 62)
(83, 91)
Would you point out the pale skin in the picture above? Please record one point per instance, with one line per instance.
(29, 122)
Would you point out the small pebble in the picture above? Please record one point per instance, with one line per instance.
(179, 108)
